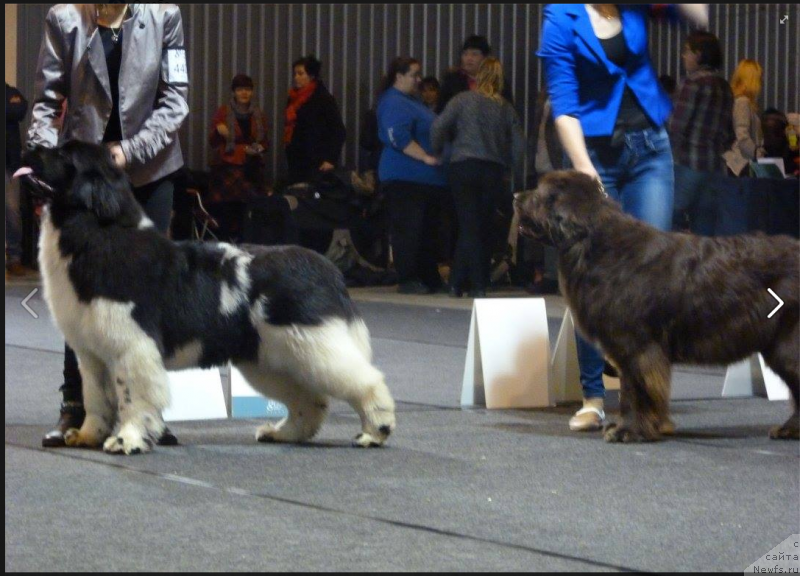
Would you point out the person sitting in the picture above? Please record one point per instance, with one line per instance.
(239, 141)
(776, 144)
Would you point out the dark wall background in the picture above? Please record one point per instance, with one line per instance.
(356, 41)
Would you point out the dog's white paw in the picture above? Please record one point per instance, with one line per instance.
(74, 439)
(127, 444)
(280, 432)
(365, 440)
(87, 437)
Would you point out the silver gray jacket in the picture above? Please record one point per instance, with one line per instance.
(152, 104)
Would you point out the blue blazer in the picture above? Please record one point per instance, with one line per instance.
(584, 83)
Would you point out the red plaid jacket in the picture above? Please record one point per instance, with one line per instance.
(701, 125)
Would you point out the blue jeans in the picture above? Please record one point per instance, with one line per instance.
(639, 176)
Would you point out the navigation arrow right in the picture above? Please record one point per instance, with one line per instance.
(780, 303)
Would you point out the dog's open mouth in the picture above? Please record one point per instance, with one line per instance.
(37, 186)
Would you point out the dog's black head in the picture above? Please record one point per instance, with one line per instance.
(562, 210)
(80, 177)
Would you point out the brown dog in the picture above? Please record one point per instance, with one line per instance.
(651, 298)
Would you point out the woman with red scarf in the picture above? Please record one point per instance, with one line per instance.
(314, 132)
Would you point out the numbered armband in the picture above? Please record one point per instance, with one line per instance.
(174, 69)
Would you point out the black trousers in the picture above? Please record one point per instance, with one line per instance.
(156, 199)
(478, 190)
(413, 224)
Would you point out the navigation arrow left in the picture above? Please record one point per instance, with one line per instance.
(25, 303)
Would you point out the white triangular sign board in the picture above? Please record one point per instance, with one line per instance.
(565, 368)
(508, 355)
(752, 377)
(195, 394)
(246, 402)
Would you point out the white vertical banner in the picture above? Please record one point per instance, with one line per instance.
(195, 394)
(508, 355)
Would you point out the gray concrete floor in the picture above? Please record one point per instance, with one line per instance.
(454, 489)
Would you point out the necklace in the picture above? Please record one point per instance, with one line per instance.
(104, 12)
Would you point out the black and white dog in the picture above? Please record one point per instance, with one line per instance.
(133, 304)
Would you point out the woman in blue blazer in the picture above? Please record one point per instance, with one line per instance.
(610, 111)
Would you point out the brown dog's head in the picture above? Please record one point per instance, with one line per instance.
(562, 210)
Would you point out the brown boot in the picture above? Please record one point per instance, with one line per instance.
(72, 415)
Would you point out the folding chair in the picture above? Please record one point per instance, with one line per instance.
(202, 222)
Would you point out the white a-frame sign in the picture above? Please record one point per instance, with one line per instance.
(508, 355)
(752, 377)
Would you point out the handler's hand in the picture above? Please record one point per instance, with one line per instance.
(431, 160)
(118, 156)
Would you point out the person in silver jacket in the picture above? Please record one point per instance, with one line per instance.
(113, 73)
(153, 100)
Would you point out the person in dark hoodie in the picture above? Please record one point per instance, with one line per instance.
(16, 107)
(462, 78)
(314, 132)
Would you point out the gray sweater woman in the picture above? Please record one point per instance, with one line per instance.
(481, 128)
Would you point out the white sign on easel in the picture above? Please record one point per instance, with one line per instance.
(508, 355)
(752, 377)
(246, 402)
(195, 394)
(565, 369)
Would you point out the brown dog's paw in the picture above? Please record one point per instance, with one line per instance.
(785, 432)
(789, 430)
(667, 428)
(616, 433)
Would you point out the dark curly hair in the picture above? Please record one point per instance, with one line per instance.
(400, 65)
(312, 66)
(708, 45)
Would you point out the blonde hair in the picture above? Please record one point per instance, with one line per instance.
(746, 81)
(490, 78)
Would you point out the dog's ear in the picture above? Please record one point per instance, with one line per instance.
(567, 223)
(100, 192)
